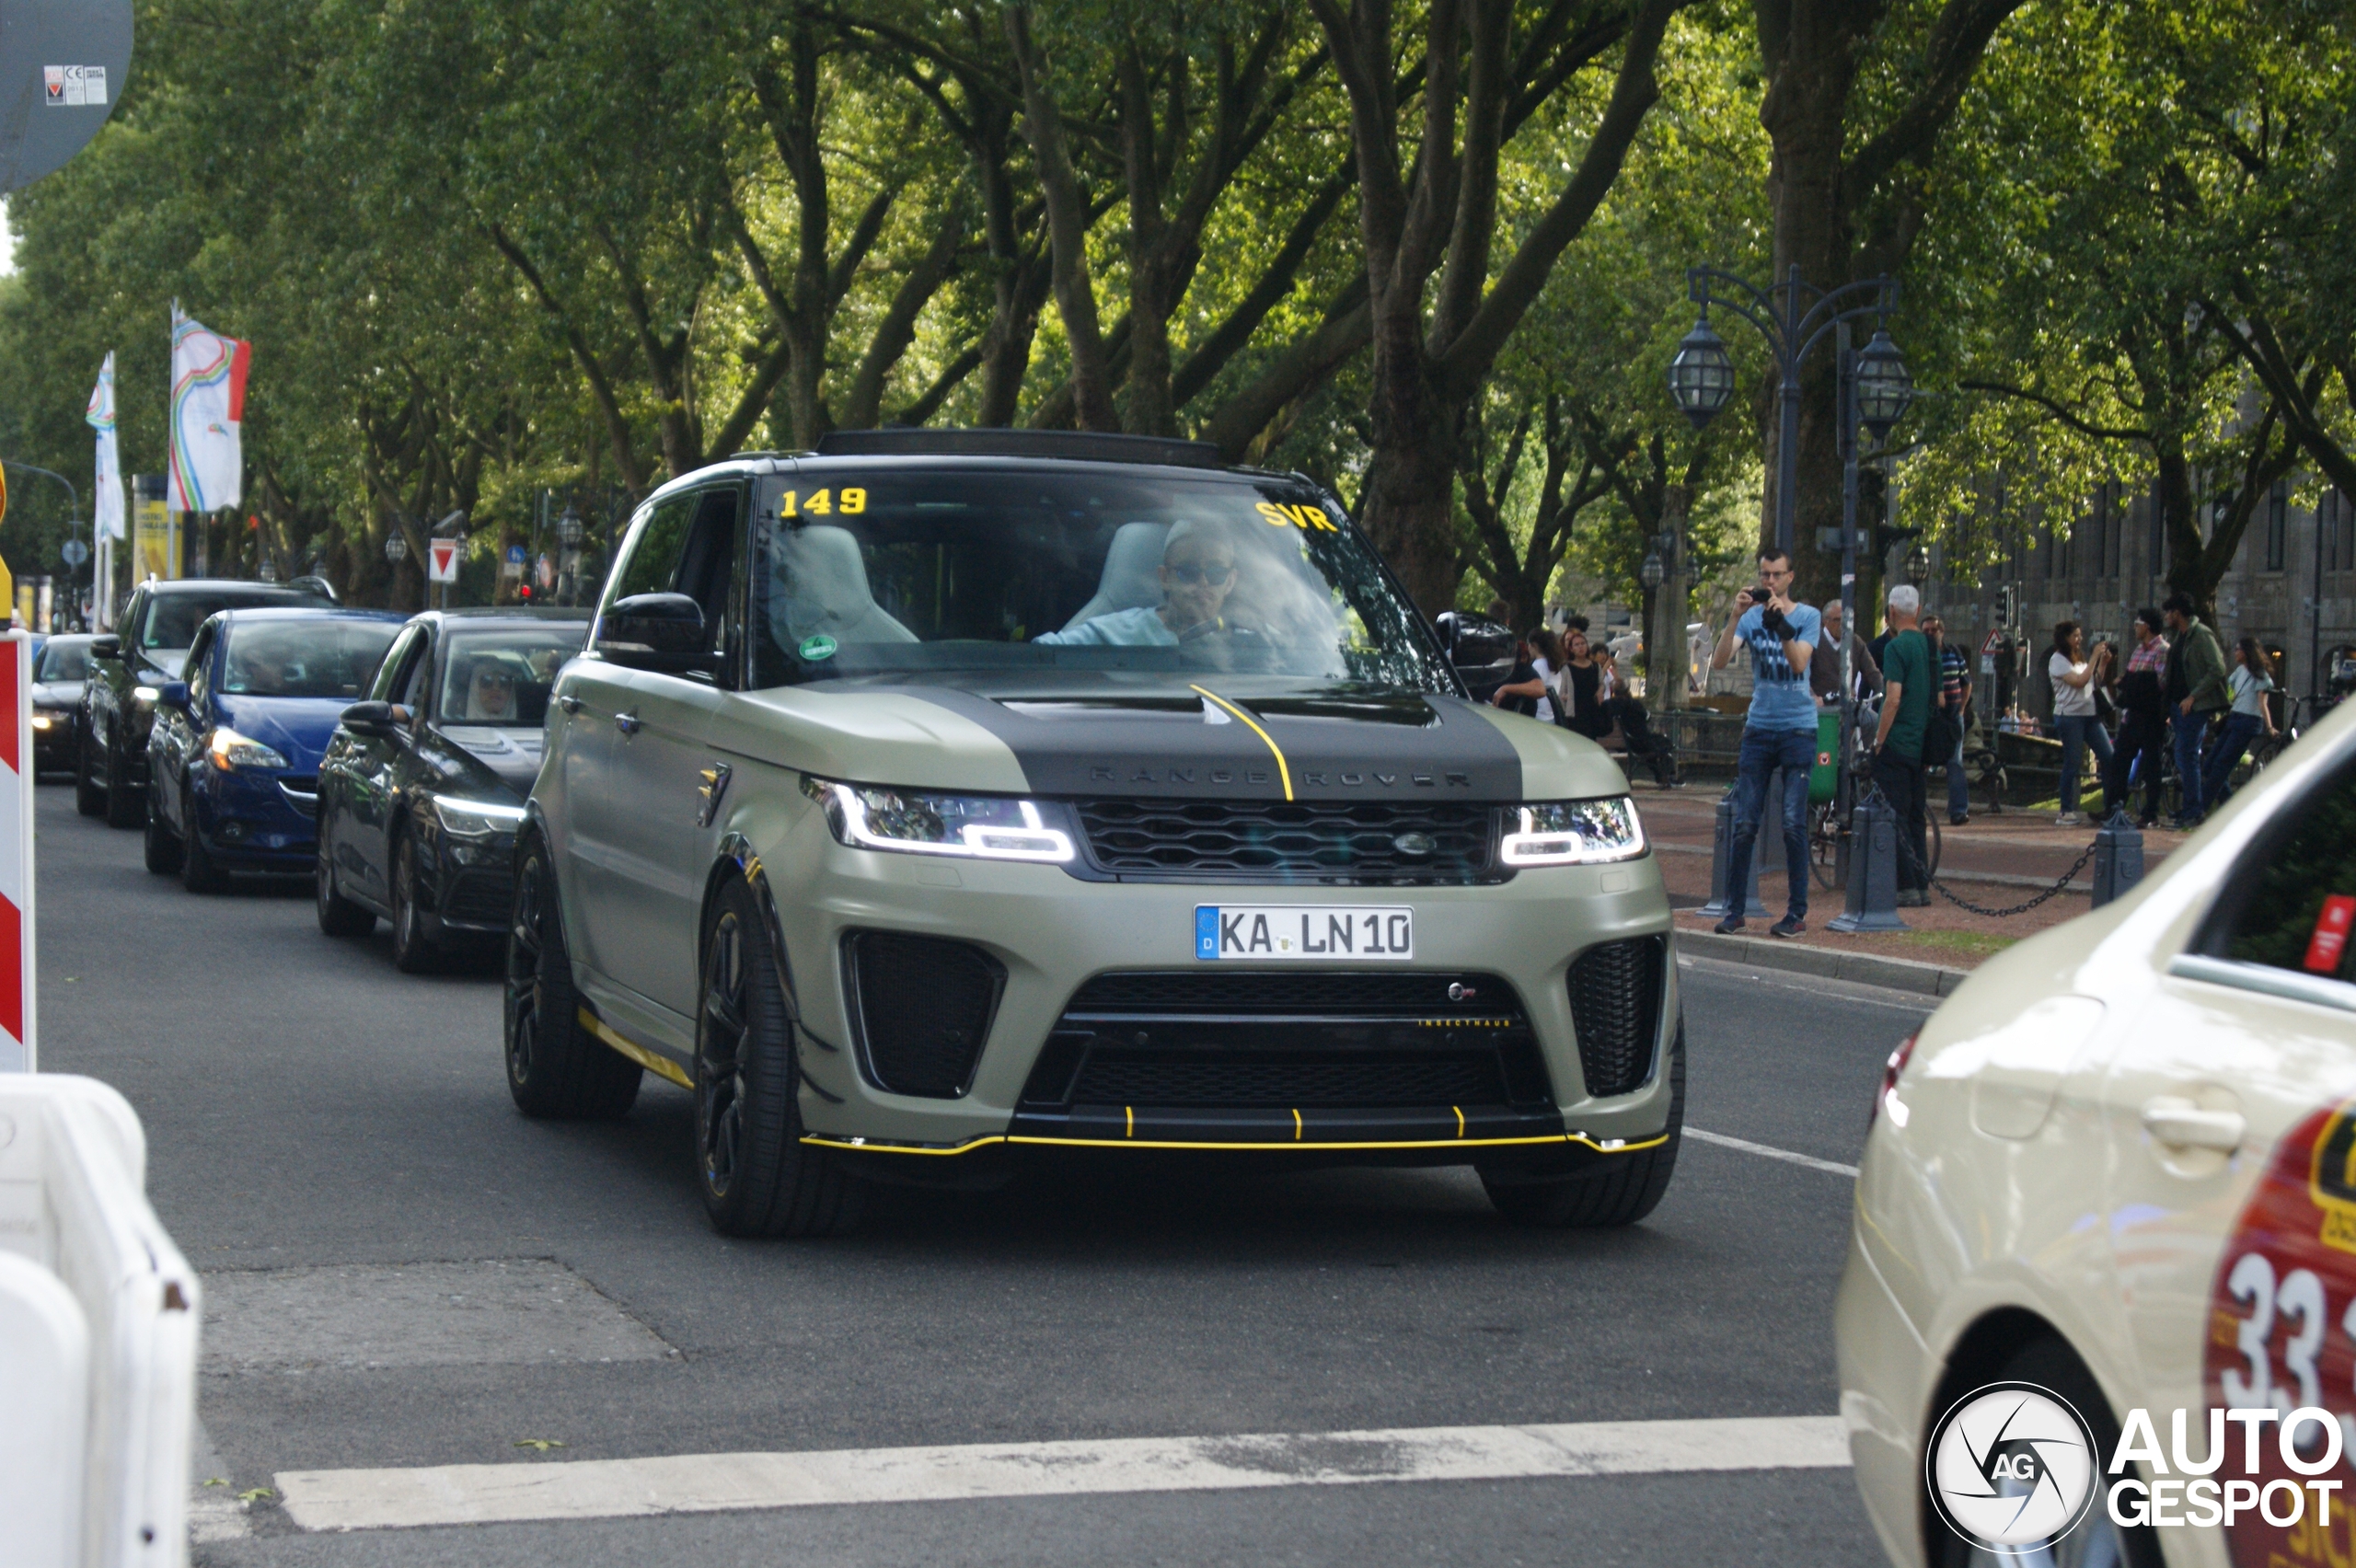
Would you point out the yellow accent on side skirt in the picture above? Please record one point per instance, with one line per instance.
(1284, 770)
(822, 1141)
(660, 1065)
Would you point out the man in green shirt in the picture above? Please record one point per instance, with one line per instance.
(1910, 681)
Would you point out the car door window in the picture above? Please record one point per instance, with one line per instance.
(652, 562)
(198, 676)
(416, 680)
(2290, 906)
(395, 669)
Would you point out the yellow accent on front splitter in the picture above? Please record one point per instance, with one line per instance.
(1283, 771)
(821, 1141)
(660, 1065)
(1296, 1126)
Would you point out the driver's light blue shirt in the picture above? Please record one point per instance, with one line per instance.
(1139, 628)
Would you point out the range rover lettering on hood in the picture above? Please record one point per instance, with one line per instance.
(1296, 745)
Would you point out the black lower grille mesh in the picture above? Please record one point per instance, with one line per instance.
(479, 897)
(1331, 993)
(1310, 841)
(1306, 1081)
(924, 1009)
(1615, 1006)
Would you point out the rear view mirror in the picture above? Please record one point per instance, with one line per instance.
(663, 632)
(173, 694)
(372, 719)
(107, 647)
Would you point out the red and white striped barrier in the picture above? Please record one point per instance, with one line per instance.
(17, 1050)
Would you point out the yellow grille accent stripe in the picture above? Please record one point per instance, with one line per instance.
(822, 1141)
(1283, 771)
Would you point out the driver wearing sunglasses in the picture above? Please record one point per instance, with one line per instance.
(1196, 573)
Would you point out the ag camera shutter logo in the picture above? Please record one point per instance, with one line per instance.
(2013, 1467)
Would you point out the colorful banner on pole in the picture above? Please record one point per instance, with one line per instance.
(208, 404)
(106, 493)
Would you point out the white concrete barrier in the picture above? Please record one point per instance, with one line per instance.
(98, 1337)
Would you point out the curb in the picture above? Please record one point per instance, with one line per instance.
(1858, 968)
(1993, 879)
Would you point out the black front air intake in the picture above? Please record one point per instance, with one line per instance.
(1615, 1007)
(924, 1009)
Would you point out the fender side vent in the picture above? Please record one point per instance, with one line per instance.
(1615, 1007)
(923, 1007)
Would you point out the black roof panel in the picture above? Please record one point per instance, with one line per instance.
(1071, 445)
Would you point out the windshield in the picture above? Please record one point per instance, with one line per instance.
(305, 658)
(501, 677)
(64, 662)
(938, 570)
(172, 618)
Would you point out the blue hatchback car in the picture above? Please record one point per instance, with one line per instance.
(233, 761)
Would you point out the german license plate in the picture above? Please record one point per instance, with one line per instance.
(1312, 931)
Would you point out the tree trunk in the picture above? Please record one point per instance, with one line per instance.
(1066, 230)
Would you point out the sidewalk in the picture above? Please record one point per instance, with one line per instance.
(1994, 861)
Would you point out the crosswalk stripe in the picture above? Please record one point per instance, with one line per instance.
(588, 1489)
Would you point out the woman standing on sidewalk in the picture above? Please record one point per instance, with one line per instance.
(2250, 684)
(2143, 732)
(2074, 679)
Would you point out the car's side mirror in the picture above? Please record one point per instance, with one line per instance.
(107, 647)
(663, 632)
(172, 694)
(374, 720)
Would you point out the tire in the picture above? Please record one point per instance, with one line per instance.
(88, 799)
(1824, 845)
(165, 851)
(758, 1177)
(200, 872)
(555, 1068)
(2095, 1544)
(1933, 844)
(338, 916)
(1624, 1191)
(414, 951)
(124, 807)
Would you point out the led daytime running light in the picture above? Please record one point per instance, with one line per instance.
(889, 819)
(1572, 833)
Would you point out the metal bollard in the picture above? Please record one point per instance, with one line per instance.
(2119, 857)
(1722, 851)
(1873, 870)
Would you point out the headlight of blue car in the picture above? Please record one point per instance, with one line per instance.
(229, 750)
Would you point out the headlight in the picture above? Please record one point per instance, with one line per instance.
(1573, 833)
(42, 720)
(985, 828)
(476, 819)
(145, 696)
(230, 749)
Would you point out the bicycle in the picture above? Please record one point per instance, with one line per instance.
(1824, 843)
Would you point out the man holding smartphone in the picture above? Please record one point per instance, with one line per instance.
(1780, 732)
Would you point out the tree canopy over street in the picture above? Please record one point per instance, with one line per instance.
(1432, 254)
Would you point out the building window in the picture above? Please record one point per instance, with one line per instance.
(2278, 521)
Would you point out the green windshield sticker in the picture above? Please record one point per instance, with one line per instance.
(819, 647)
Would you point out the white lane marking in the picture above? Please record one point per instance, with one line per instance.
(588, 1489)
(1771, 1152)
(213, 1512)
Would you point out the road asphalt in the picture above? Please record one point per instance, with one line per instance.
(402, 1272)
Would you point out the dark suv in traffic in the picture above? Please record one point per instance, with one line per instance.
(129, 669)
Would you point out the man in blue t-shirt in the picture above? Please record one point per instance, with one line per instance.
(1780, 733)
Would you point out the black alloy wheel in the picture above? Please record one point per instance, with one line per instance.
(162, 846)
(125, 806)
(338, 916)
(758, 1177)
(556, 1068)
(88, 799)
(414, 951)
(200, 872)
(1620, 1190)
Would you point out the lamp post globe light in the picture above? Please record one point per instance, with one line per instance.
(1701, 378)
(1884, 386)
(568, 537)
(1652, 572)
(396, 547)
(568, 528)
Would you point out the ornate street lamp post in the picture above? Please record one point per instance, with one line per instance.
(568, 537)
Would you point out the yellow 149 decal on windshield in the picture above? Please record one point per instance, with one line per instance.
(850, 501)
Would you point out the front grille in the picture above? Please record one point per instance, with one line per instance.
(1331, 993)
(1615, 1007)
(1256, 1039)
(924, 1007)
(479, 897)
(1307, 1080)
(1290, 841)
(302, 793)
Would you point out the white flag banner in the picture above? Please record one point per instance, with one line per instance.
(208, 403)
(106, 493)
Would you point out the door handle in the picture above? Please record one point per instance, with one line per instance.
(2180, 1124)
(569, 702)
(625, 723)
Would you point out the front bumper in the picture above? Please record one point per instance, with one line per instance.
(54, 739)
(258, 821)
(1047, 935)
